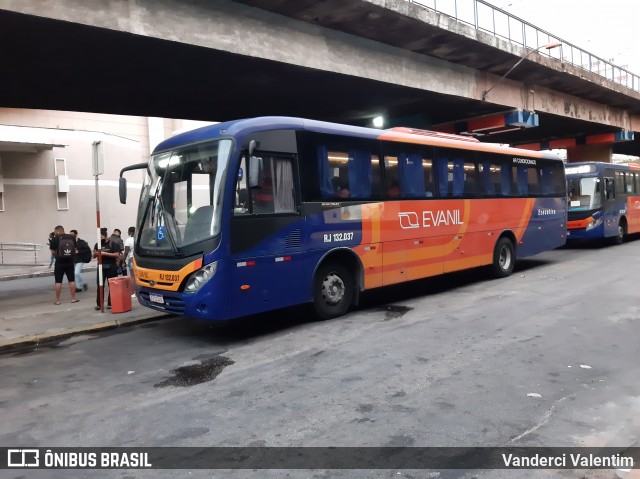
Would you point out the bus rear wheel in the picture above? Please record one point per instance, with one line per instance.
(504, 258)
(332, 290)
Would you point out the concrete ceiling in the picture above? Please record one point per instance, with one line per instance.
(51, 64)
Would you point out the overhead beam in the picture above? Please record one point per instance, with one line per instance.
(602, 138)
(491, 124)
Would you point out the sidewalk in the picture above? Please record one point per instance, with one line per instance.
(29, 317)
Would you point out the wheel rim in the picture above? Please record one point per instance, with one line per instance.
(620, 232)
(505, 258)
(333, 289)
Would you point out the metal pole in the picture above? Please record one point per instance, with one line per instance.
(99, 243)
(98, 169)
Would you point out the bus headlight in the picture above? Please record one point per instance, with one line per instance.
(594, 224)
(200, 278)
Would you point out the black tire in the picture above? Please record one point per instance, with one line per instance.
(332, 290)
(622, 232)
(504, 258)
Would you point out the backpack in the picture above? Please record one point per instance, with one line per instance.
(84, 252)
(66, 247)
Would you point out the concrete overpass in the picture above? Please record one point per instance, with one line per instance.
(337, 60)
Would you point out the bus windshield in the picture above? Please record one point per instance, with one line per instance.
(584, 194)
(184, 194)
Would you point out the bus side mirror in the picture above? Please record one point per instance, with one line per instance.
(123, 190)
(255, 166)
(122, 184)
(253, 144)
(255, 171)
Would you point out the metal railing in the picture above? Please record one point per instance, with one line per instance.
(19, 253)
(485, 17)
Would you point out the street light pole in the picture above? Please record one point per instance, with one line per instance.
(548, 46)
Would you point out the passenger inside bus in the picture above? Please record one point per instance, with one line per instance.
(394, 190)
(339, 188)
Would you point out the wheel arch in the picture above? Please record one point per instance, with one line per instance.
(511, 236)
(349, 259)
(624, 223)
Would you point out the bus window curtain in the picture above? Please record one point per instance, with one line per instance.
(443, 177)
(411, 175)
(488, 188)
(359, 174)
(458, 177)
(523, 180)
(324, 172)
(505, 179)
(284, 201)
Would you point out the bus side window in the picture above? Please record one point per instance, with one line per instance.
(456, 173)
(629, 181)
(408, 172)
(609, 190)
(348, 172)
(533, 180)
(470, 180)
(275, 192)
(619, 182)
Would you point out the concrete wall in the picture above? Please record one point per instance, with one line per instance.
(30, 193)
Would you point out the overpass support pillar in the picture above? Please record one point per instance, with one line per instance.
(601, 152)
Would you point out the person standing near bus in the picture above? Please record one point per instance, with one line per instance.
(82, 257)
(110, 252)
(128, 251)
(52, 258)
(63, 246)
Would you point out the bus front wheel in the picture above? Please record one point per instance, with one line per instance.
(332, 291)
(622, 231)
(504, 258)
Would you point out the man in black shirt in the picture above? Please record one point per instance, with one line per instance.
(110, 254)
(63, 246)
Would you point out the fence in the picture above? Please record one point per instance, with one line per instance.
(499, 23)
(19, 253)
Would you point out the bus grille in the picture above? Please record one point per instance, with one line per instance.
(579, 215)
(171, 303)
(293, 239)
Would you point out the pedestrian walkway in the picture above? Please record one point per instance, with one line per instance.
(29, 317)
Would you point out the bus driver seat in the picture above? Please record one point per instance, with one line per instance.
(199, 224)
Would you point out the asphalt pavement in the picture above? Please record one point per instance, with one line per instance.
(28, 316)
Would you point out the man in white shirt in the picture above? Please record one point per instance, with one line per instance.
(128, 250)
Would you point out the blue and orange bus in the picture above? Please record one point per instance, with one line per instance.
(257, 214)
(604, 200)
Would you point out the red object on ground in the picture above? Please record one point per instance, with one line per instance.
(120, 295)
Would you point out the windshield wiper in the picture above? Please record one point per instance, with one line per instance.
(169, 234)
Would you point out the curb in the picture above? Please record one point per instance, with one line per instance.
(8, 345)
(38, 274)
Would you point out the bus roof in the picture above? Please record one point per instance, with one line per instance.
(242, 128)
(599, 165)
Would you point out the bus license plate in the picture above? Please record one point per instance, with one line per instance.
(156, 298)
